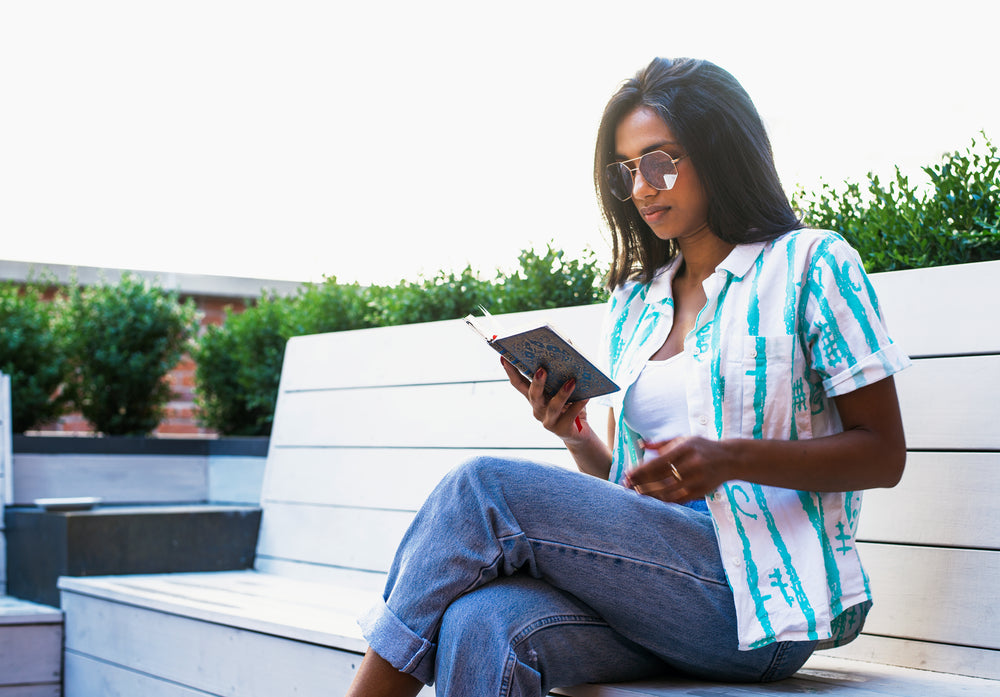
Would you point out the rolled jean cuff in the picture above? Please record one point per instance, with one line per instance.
(396, 643)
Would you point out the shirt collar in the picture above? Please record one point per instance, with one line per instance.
(743, 256)
(737, 263)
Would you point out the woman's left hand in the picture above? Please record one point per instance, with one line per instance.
(686, 468)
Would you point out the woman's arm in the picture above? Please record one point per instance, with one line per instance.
(869, 453)
(567, 420)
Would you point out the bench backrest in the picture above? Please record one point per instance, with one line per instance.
(368, 421)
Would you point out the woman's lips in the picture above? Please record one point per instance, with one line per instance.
(653, 214)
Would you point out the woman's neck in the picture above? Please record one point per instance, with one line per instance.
(702, 255)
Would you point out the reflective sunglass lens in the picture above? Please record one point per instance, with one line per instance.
(619, 179)
(658, 170)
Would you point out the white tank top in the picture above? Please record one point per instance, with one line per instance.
(656, 404)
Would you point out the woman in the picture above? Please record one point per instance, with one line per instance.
(716, 536)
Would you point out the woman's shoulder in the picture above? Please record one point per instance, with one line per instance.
(809, 245)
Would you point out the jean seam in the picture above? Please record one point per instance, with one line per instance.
(641, 562)
(550, 620)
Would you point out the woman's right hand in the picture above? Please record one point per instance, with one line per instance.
(567, 420)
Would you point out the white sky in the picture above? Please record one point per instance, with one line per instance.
(375, 141)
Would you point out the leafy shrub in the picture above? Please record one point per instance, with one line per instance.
(952, 219)
(550, 280)
(239, 362)
(446, 295)
(239, 366)
(331, 307)
(122, 340)
(31, 355)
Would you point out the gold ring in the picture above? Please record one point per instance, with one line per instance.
(677, 475)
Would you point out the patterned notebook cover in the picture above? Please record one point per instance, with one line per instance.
(543, 346)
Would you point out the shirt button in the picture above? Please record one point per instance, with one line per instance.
(703, 419)
(753, 353)
(737, 561)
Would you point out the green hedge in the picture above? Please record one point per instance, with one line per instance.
(32, 355)
(952, 218)
(239, 362)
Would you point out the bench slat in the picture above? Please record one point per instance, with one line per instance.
(401, 480)
(373, 477)
(930, 594)
(428, 353)
(492, 415)
(942, 658)
(958, 517)
(950, 403)
(349, 538)
(821, 675)
(942, 311)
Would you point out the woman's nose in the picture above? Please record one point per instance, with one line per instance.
(641, 189)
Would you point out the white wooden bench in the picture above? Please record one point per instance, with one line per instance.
(368, 421)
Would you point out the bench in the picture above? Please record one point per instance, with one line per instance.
(368, 421)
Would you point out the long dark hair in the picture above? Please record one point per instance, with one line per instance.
(719, 128)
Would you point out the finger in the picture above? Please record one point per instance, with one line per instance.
(536, 390)
(557, 404)
(520, 383)
(663, 489)
(572, 413)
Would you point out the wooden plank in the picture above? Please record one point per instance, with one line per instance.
(198, 655)
(86, 676)
(959, 489)
(933, 594)
(466, 415)
(950, 403)
(353, 538)
(31, 653)
(114, 478)
(822, 674)
(493, 415)
(17, 611)
(374, 477)
(439, 351)
(944, 310)
(320, 614)
(369, 581)
(922, 655)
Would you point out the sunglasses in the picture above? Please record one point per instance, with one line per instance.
(657, 168)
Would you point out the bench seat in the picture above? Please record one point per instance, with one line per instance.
(368, 421)
(261, 618)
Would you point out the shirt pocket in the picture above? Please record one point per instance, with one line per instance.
(769, 373)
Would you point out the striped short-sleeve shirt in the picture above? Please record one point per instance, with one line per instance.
(788, 325)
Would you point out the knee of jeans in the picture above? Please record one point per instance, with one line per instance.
(480, 471)
(472, 627)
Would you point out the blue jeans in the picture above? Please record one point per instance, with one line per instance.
(517, 577)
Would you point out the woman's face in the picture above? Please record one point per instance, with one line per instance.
(680, 213)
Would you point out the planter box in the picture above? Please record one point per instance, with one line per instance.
(43, 545)
(121, 470)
